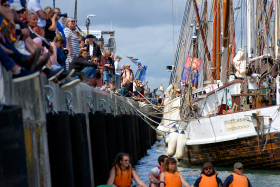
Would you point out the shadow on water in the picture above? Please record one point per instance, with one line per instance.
(258, 178)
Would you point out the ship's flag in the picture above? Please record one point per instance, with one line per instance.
(192, 62)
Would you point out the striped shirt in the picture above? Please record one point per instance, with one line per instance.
(74, 45)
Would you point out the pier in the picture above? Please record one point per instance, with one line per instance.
(43, 132)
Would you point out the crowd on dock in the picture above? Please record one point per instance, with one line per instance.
(166, 174)
(34, 42)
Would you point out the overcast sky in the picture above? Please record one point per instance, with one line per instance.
(142, 28)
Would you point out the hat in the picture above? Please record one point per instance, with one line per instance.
(207, 164)
(127, 65)
(90, 36)
(237, 165)
(16, 6)
(118, 57)
(178, 90)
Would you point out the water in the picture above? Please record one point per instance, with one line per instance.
(258, 178)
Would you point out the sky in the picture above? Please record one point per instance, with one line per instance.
(144, 30)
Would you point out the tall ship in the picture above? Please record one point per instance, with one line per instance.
(226, 76)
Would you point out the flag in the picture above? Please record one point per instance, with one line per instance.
(192, 62)
(185, 74)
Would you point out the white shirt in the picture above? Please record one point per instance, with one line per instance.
(156, 171)
(117, 66)
(91, 47)
(35, 5)
(134, 89)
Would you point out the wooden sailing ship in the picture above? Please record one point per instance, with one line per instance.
(233, 114)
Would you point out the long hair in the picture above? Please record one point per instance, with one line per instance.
(81, 51)
(117, 160)
(168, 161)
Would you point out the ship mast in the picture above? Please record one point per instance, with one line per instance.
(216, 38)
(202, 35)
(75, 10)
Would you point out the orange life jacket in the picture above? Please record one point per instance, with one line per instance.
(239, 181)
(172, 180)
(208, 181)
(123, 178)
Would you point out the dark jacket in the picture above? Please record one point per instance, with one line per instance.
(112, 63)
(96, 50)
(79, 62)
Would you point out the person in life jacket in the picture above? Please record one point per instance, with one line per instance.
(122, 173)
(154, 175)
(237, 179)
(208, 177)
(170, 177)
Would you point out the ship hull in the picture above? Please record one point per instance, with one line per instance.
(245, 150)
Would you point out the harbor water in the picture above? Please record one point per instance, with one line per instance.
(258, 178)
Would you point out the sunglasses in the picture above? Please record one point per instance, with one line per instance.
(126, 160)
(96, 60)
(20, 12)
(6, 5)
(73, 21)
(208, 168)
(240, 168)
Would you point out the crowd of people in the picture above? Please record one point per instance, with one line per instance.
(33, 42)
(166, 174)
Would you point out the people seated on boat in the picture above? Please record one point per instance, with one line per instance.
(154, 175)
(128, 77)
(170, 177)
(178, 93)
(51, 24)
(122, 173)
(93, 49)
(208, 177)
(80, 62)
(237, 179)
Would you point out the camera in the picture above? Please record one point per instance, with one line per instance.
(62, 15)
(65, 51)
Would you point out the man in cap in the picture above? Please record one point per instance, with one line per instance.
(237, 179)
(93, 48)
(118, 71)
(208, 177)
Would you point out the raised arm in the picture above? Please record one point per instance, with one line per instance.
(184, 182)
(112, 177)
(42, 14)
(152, 178)
(137, 179)
(53, 27)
